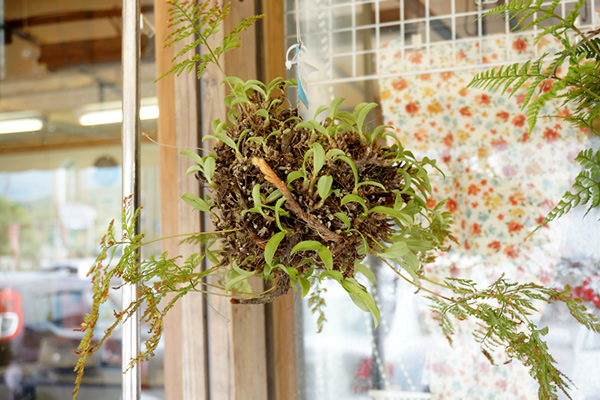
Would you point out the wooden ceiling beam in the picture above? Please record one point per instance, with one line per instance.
(70, 16)
(71, 54)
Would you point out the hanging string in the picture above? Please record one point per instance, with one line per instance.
(303, 67)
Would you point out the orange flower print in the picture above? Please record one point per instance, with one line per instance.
(461, 55)
(502, 115)
(519, 120)
(425, 77)
(514, 227)
(412, 108)
(475, 229)
(431, 203)
(465, 112)
(452, 206)
(516, 199)
(400, 85)
(446, 75)
(525, 137)
(435, 108)
(416, 57)
(473, 189)
(511, 251)
(519, 45)
(520, 99)
(564, 112)
(495, 245)
(551, 135)
(448, 140)
(546, 85)
(386, 94)
(482, 99)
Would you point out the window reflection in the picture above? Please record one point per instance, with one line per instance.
(60, 185)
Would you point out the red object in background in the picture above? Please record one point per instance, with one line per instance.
(11, 314)
(586, 292)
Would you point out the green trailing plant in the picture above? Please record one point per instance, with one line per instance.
(296, 202)
(570, 76)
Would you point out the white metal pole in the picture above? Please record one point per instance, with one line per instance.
(131, 386)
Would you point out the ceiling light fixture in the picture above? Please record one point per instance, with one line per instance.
(111, 113)
(20, 122)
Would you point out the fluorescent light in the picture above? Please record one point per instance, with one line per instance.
(20, 124)
(112, 114)
(101, 117)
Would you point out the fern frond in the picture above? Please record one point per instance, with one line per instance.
(504, 324)
(515, 74)
(586, 188)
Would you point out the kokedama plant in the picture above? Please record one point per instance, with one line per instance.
(296, 202)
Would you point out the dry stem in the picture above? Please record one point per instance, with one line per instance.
(291, 203)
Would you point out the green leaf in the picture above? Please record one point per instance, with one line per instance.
(292, 176)
(275, 194)
(361, 298)
(397, 249)
(334, 107)
(361, 112)
(227, 140)
(393, 213)
(306, 245)
(326, 257)
(193, 169)
(335, 275)
(279, 212)
(354, 198)
(318, 158)
(209, 168)
(193, 155)
(210, 255)
(272, 245)
(256, 198)
(334, 153)
(196, 202)
(366, 271)
(364, 247)
(263, 113)
(324, 186)
(348, 161)
(319, 111)
(239, 275)
(344, 218)
(256, 139)
(379, 185)
(411, 265)
(304, 285)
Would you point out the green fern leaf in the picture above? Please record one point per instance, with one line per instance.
(586, 188)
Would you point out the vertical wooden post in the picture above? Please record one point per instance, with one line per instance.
(178, 125)
(237, 346)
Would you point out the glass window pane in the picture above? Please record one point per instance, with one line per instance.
(60, 185)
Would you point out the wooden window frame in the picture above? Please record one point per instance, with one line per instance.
(213, 349)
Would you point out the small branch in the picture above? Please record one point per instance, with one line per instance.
(291, 203)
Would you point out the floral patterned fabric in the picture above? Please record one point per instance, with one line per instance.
(500, 181)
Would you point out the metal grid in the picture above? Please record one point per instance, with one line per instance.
(347, 38)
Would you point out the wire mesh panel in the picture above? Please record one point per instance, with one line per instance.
(349, 39)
